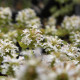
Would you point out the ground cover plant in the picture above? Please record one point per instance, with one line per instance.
(30, 52)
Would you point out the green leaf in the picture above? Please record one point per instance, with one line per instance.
(22, 45)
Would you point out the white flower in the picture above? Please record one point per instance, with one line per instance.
(32, 37)
(5, 14)
(75, 37)
(7, 50)
(71, 23)
(28, 18)
(52, 43)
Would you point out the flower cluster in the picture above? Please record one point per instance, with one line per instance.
(67, 71)
(50, 28)
(27, 18)
(29, 52)
(32, 37)
(11, 35)
(69, 52)
(71, 23)
(7, 53)
(52, 43)
(5, 15)
(34, 69)
(7, 48)
(51, 21)
(75, 38)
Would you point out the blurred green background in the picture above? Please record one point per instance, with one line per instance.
(46, 8)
